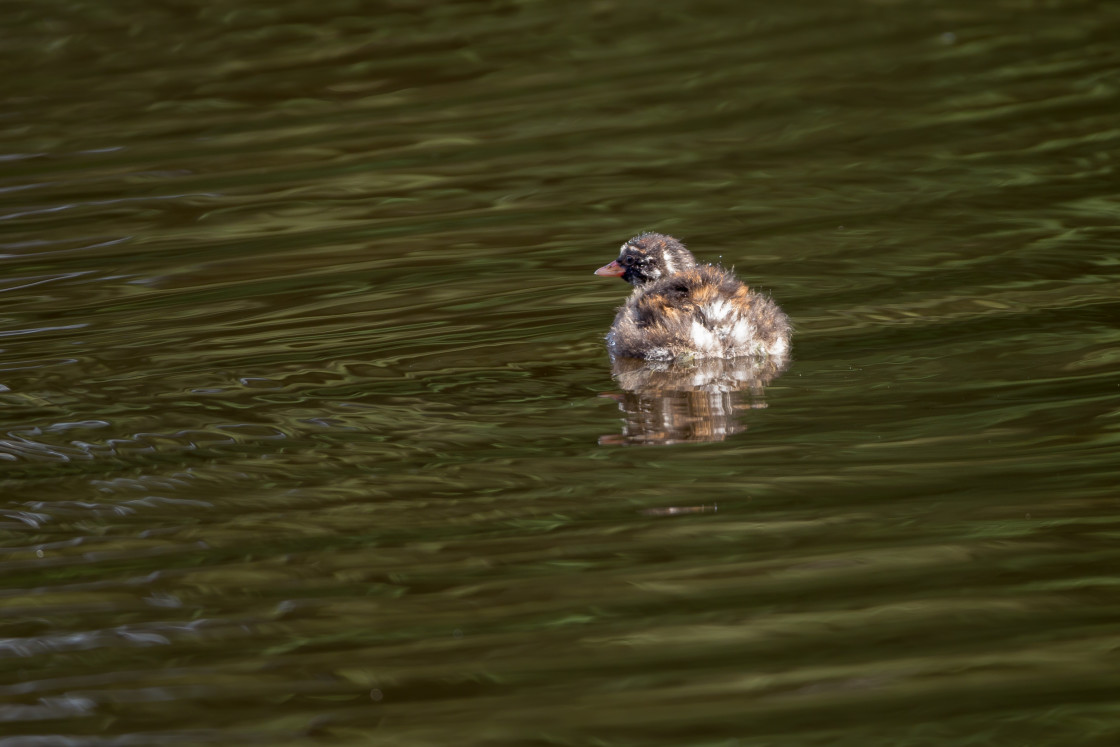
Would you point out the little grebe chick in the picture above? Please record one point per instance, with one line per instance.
(680, 310)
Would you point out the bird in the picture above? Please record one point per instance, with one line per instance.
(681, 310)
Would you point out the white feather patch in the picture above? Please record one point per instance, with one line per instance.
(742, 331)
(703, 339)
(717, 310)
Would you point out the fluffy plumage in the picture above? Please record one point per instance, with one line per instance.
(680, 310)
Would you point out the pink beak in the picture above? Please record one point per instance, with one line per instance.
(613, 270)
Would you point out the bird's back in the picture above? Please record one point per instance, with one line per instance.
(703, 312)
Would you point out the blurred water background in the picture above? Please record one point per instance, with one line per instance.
(310, 435)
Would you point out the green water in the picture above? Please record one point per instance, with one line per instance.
(310, 434)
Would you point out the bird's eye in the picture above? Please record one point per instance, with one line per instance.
(628, 260)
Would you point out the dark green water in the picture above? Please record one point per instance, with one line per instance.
(304, 437)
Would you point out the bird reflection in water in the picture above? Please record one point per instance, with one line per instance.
(679, 402)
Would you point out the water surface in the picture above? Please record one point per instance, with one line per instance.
(310, 434)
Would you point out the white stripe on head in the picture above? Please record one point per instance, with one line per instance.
(669, 269)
